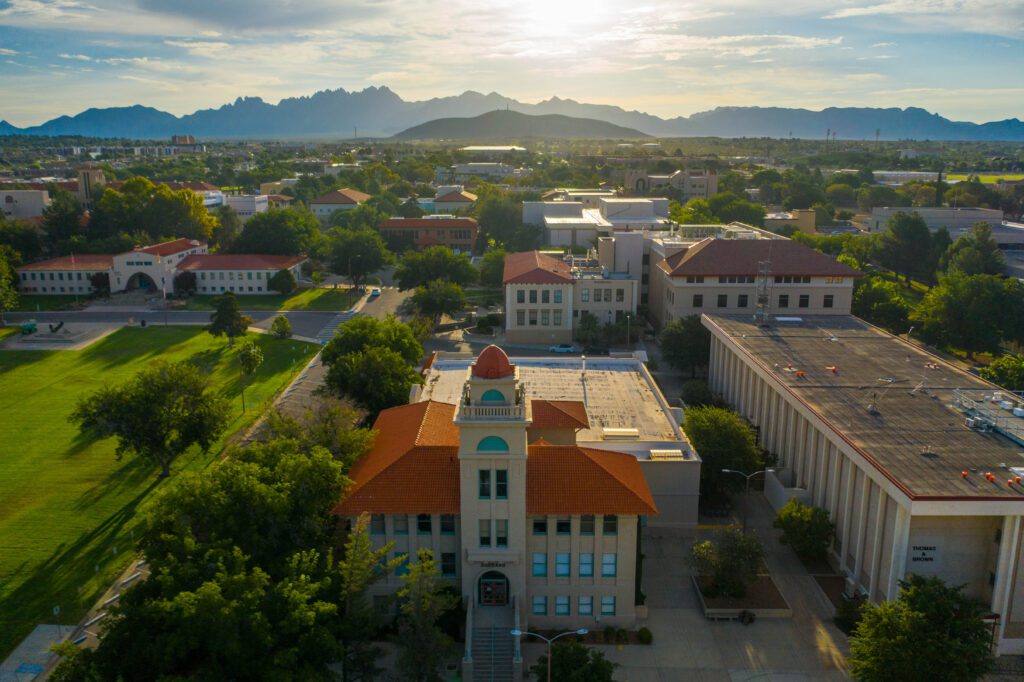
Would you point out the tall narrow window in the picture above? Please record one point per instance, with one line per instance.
(501, 533)
(501, 484)
(447, 524)
(563, 563)
(586, 565)
(562, 606)
(424, 526)
(540, 606)
(607, 606)
(586, 606)
(401, 524)
(377, 524)
(609, 565)
(485, 532)
(587, 524)
(611, 525)
(540, 564)
(485, 484)
(448, 564)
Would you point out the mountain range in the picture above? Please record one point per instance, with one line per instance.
(502, 124)
(379, 112)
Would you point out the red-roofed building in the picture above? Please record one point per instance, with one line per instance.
(509, 515)
(546, 297)
(337, 200)
(453, 198)
(155, 267)
(721, 276)
(458, 234)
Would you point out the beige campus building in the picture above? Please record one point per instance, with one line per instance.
(528, 488)
(918, 463)
(545, 297)
(731, 276)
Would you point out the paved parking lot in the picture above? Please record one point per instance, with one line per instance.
(805, 648)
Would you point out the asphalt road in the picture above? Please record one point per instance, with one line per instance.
(304, 323)
(387, 303)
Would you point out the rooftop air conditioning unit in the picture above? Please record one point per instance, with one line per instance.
(615, 433)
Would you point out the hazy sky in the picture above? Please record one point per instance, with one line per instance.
(964, 60)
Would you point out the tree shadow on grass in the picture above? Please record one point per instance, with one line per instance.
(132, 474)
(80, 443)
(57, 581)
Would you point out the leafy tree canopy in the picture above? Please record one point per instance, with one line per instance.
(418, 268)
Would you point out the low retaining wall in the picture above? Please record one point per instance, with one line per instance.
(717, 613)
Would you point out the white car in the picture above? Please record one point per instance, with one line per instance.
(374, 293)
(563, 348)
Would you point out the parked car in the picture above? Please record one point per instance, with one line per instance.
(595, 350)
(375, 292)
(564, 348)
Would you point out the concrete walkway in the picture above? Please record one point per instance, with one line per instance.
(687, 646)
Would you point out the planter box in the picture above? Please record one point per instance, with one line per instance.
(757, 602)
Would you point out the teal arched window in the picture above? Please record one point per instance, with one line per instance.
(492, 395)
(492, 444)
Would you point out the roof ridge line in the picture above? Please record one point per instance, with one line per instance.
(588, 452)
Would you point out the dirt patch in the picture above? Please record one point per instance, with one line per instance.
(832, 586)
(761, 594)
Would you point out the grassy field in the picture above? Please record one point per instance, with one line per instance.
(990, 178)
(68, 507)
(301, 299)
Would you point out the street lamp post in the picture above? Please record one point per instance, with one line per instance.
(518, 633)
(746, 495)
(629, 340)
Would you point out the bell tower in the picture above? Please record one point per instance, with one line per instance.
(493, 416)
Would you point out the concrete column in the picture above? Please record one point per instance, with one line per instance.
(1009, 546)
(876, 551)
(821, 478)
(848, 525)
(862, 520)
(712, 366)
(900, 542)
(836, 464)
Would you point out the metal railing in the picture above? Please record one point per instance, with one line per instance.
(493, 411)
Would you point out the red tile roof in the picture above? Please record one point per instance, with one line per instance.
(713, 256)
(83, 261)
(203, 261)
(342, 196)
(533, 267)
(559, 414)
(492, 363)
(456, 198)
(413, 467)
(415, 223)
(172, 247)
(568, 479)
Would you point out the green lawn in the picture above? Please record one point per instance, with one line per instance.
(301, 299)
(67, 505)
(32, 302)
(990, 178)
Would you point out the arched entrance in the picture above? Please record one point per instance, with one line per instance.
(140, 280)
(492, 589)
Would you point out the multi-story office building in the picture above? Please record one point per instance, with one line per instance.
(545, 297)
(458, 234)
(733, 275)
(693, 184)
(917, 461)
(529, 480)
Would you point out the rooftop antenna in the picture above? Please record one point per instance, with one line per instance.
(763, 288)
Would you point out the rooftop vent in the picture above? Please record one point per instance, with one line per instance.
(666, 455)
(616, 433)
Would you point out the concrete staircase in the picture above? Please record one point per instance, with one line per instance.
(492, 654)
(493, 646)
(327, 333)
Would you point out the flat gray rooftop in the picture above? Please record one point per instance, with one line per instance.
(917, 436)
(616, 393)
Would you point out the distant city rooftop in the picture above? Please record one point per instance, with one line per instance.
(900, 406)
(618, 393)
